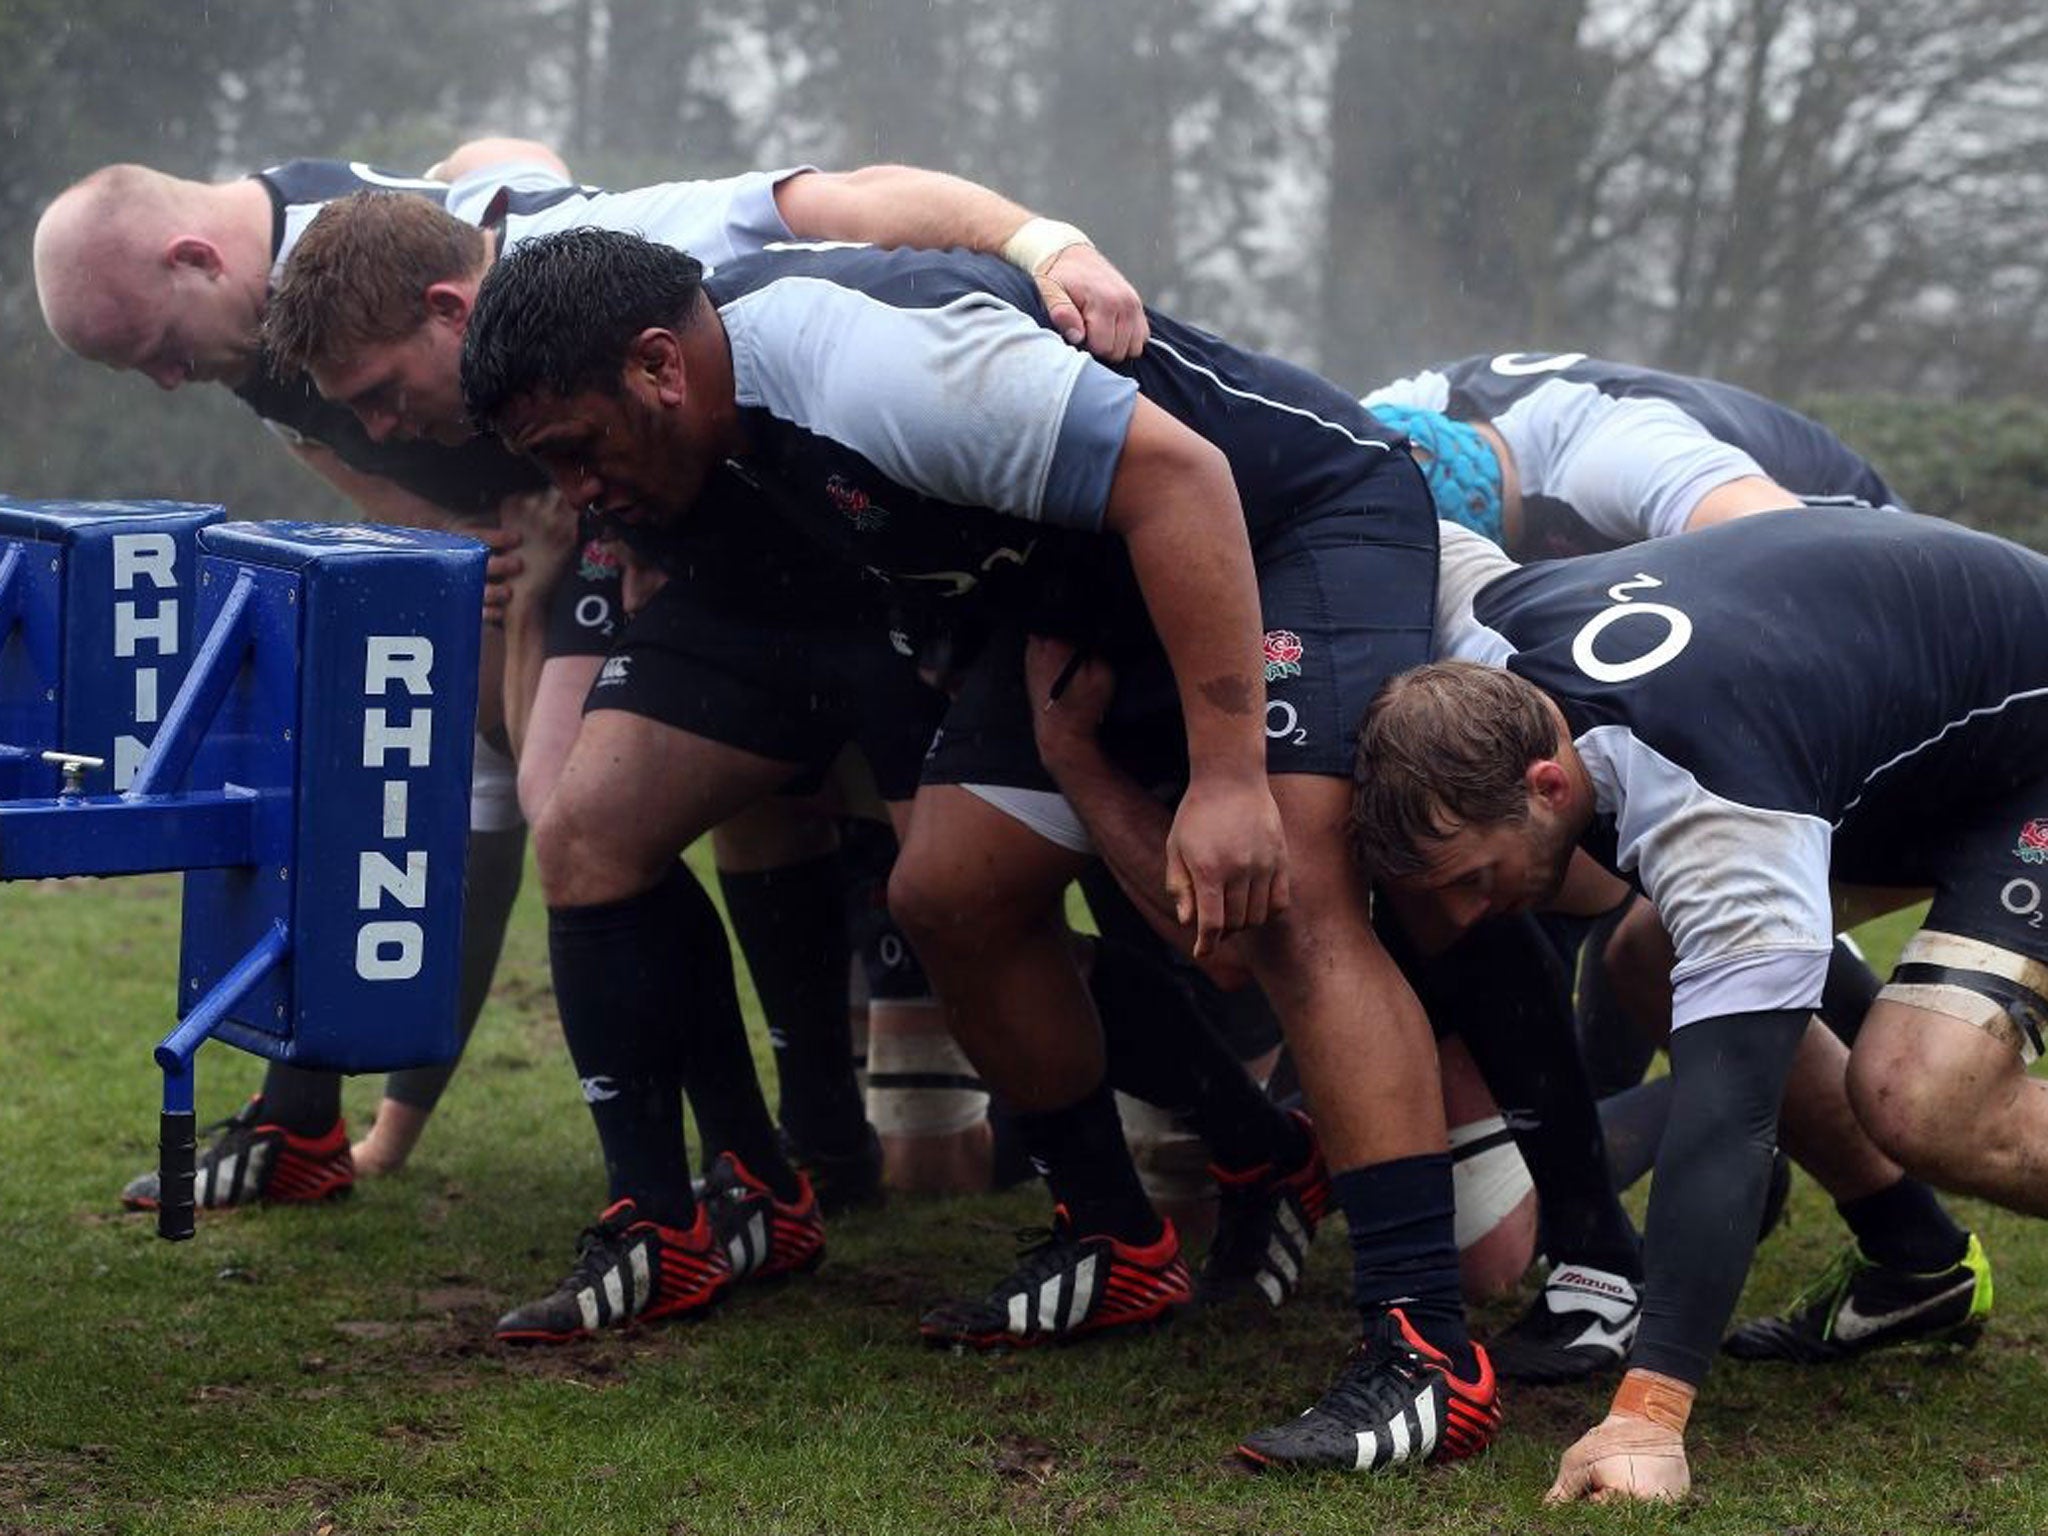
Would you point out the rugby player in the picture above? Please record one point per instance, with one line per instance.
(1217, 525)
(1767, 727)
(1556, 454)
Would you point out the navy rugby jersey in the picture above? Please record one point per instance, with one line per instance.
(1611, 454)
(912, 412)
(1768, 702)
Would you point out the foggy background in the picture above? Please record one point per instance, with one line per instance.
(1842, 203)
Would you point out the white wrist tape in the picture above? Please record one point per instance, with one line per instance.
(1038, 243)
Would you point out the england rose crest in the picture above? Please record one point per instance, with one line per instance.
(1283, 654)
(2032, 848)
(854, 504)
(598, 561)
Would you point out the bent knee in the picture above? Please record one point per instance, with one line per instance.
(1908, 1107)
(941, 907)
(585, 861)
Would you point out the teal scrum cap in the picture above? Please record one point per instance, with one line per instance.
(1463, 474)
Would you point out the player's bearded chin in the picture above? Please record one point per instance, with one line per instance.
(1550, 858)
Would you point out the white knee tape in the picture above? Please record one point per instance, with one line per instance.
(920, 1083)
(1976, 983)
(1488, 1177)
(1172, 1162)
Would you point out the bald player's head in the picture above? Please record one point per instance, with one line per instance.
(142, 271)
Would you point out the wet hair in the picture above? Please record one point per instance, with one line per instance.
(1441, 748)
(558, 314)
(359, 274)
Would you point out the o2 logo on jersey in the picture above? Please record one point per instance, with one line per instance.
(2022, 898)
(1522, 365)
(1676, 625)
(1283, 723)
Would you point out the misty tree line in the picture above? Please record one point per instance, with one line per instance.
(1832, 201)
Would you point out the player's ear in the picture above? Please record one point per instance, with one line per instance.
(1548, 783)
(655, 359)
(191, 251)
(449, 303)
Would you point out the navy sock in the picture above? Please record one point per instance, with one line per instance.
(1404, 1248)
(304, 1103)
(791, 925)
(1080, 1148)
(1905, 1227)
(1160, 1049)
(625, 1037)
(650, 1012)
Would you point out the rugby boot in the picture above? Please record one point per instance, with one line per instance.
(1397, 1403)
(1857, 1306)
(627, 1270)
(762, 1236)
(1066, 1288)
(1265, 1219)
(252, 1161)
(1582, 1323)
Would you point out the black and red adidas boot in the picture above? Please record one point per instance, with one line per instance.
(251, 1161)
(1069, 1288)
(1265, 1218)
(627, 1271)
(762, 1236)
(1397, 1402)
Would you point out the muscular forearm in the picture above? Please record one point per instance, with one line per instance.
(1176, 507)
(898, 205)
(1729, 1076)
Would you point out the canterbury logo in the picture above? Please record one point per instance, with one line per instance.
(598, 1090)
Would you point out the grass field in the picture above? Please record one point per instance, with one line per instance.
(330, 1371)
